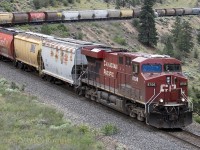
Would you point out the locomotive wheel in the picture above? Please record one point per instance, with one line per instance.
(139, 117)
(132, 114)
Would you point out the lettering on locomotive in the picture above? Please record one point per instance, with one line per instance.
(108, 73)
(151, 84)
(167, 88)
(110, 65)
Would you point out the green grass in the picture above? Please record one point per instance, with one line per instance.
(197, 118)
(109, 129)
(27, 124)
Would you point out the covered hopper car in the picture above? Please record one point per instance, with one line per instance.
(62, 16)
(151, 88)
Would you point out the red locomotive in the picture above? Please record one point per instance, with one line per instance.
(149, 87)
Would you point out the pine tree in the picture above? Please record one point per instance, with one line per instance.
(176, 29)
(147, 32)
(168, 49)
(184, 42)
(198, 37)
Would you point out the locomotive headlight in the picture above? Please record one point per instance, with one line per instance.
(168, 80)
(161, 100)
(182, 99)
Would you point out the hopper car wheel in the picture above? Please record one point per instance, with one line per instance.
(21, 65)
(15, 63)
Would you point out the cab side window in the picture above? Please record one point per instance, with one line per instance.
(128, 61)
(135, 68)
(121, 60)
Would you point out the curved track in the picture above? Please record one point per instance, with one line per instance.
(186, 137)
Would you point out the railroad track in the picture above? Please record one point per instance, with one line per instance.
(186, 137)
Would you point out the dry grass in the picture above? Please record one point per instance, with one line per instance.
(176, 3)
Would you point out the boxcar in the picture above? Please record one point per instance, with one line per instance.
(62, 58)
(36, 16)
(161, 12)
(86, 14)
(7, 43)
(126, 13)
(70, 15)
(100, 14)
(170, 12)
(53, 16)
(28, 46)
(6, 18)
(187, 11)
(179, 11)
(113, 13)
(20, 17)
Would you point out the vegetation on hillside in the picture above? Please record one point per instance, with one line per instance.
(28, 124)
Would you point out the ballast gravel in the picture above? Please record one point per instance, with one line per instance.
(134, 134)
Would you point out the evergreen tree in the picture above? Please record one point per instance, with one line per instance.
(176, 29)
(168, 49)
(198, 37)
(147, 32)
(184, 42)
(118, 4)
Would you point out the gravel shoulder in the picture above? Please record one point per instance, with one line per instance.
(134, 134)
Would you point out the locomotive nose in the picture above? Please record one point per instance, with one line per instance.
(172, 88)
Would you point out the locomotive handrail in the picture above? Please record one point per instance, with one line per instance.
(188, 100)
(152, 101)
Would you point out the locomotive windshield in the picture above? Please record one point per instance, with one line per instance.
(172, 67)
(151, 68)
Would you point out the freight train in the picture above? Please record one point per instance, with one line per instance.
(38, 17)
(149, 87)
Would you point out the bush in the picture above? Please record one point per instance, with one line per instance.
(197, 118)
(109, 129)
(62, 27)
(120, 40)
(46, 29)
(136, 23)
(79, 36)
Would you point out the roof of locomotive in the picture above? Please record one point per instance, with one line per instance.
(144, 57)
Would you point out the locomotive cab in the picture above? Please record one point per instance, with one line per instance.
(166, 101)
